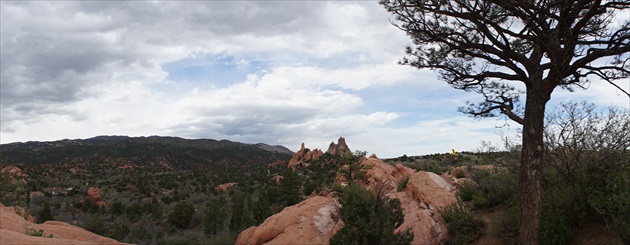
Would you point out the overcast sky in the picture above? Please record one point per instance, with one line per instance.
(282, 72)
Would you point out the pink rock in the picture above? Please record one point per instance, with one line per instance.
(312, 221)
(224, 187)
(94, 194)
(13, 229)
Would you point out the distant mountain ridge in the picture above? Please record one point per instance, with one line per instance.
(177, 149)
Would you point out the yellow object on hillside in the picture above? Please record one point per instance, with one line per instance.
(453, 153)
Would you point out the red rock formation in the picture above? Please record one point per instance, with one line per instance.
(277, 178)
(15, 173)
(94, 194)
(276, 164)
(312, 221)
(224, 187)
(380, 173)
(431, 189)
(338, 149)
(13, 229)
(304, 155)
(426, 192)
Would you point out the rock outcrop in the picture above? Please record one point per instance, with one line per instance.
(225, 186)
(430, 189)
(382, 175)
(304, 155)
(425, 193)
(94, 194)
(316, 219)
(312, 221)
(338, 149)
(15, 174)
(14, 229)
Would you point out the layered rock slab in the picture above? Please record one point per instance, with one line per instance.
(13, 229)
(312, 221)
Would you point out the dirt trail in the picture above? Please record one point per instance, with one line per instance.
(488, 235)
(594, 231)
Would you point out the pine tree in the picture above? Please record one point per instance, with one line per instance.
(262, 208)
(238, 201)
(45, 214)
(214, 216)
(181, 214)
(290, 187)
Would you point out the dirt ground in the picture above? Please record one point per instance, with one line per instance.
(594, 231)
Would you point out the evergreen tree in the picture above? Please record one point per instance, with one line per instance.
(290, 187)
(181, 214)
(238, 201)
(262, 208)
(246, 217)
(214, 216)
(45, 214)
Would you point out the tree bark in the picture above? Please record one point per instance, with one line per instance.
(531, 165)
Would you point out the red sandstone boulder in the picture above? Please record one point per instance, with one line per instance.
(312, 221)
(423, 222)
(14, 228)
(382, 175)
(430, 189)
(94, 194)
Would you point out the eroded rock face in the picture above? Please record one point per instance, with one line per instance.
(338, 149)
(312, 221)
(426, 192)
(431, 189)
(13, 229)
(94, 194)
(423, 222)
(304, 155)
(380, 174)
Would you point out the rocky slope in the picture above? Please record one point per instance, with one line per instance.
(316, 219)
(15, 229)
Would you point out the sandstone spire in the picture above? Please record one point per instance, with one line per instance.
(338, 149)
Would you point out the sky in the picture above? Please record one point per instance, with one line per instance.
(274, 72)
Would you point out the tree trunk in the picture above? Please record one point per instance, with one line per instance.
(531, 166)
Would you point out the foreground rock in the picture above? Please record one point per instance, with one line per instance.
(14, 229)
(312, 221)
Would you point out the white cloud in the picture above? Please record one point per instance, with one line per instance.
(80, 69)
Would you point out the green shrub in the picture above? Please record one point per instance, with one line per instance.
(402, 185)
(39, 233)
(614, 203)
(466, 190)
(495, 187)
(460, 174)
(463, 227)
(507, 224)
(554, 228)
